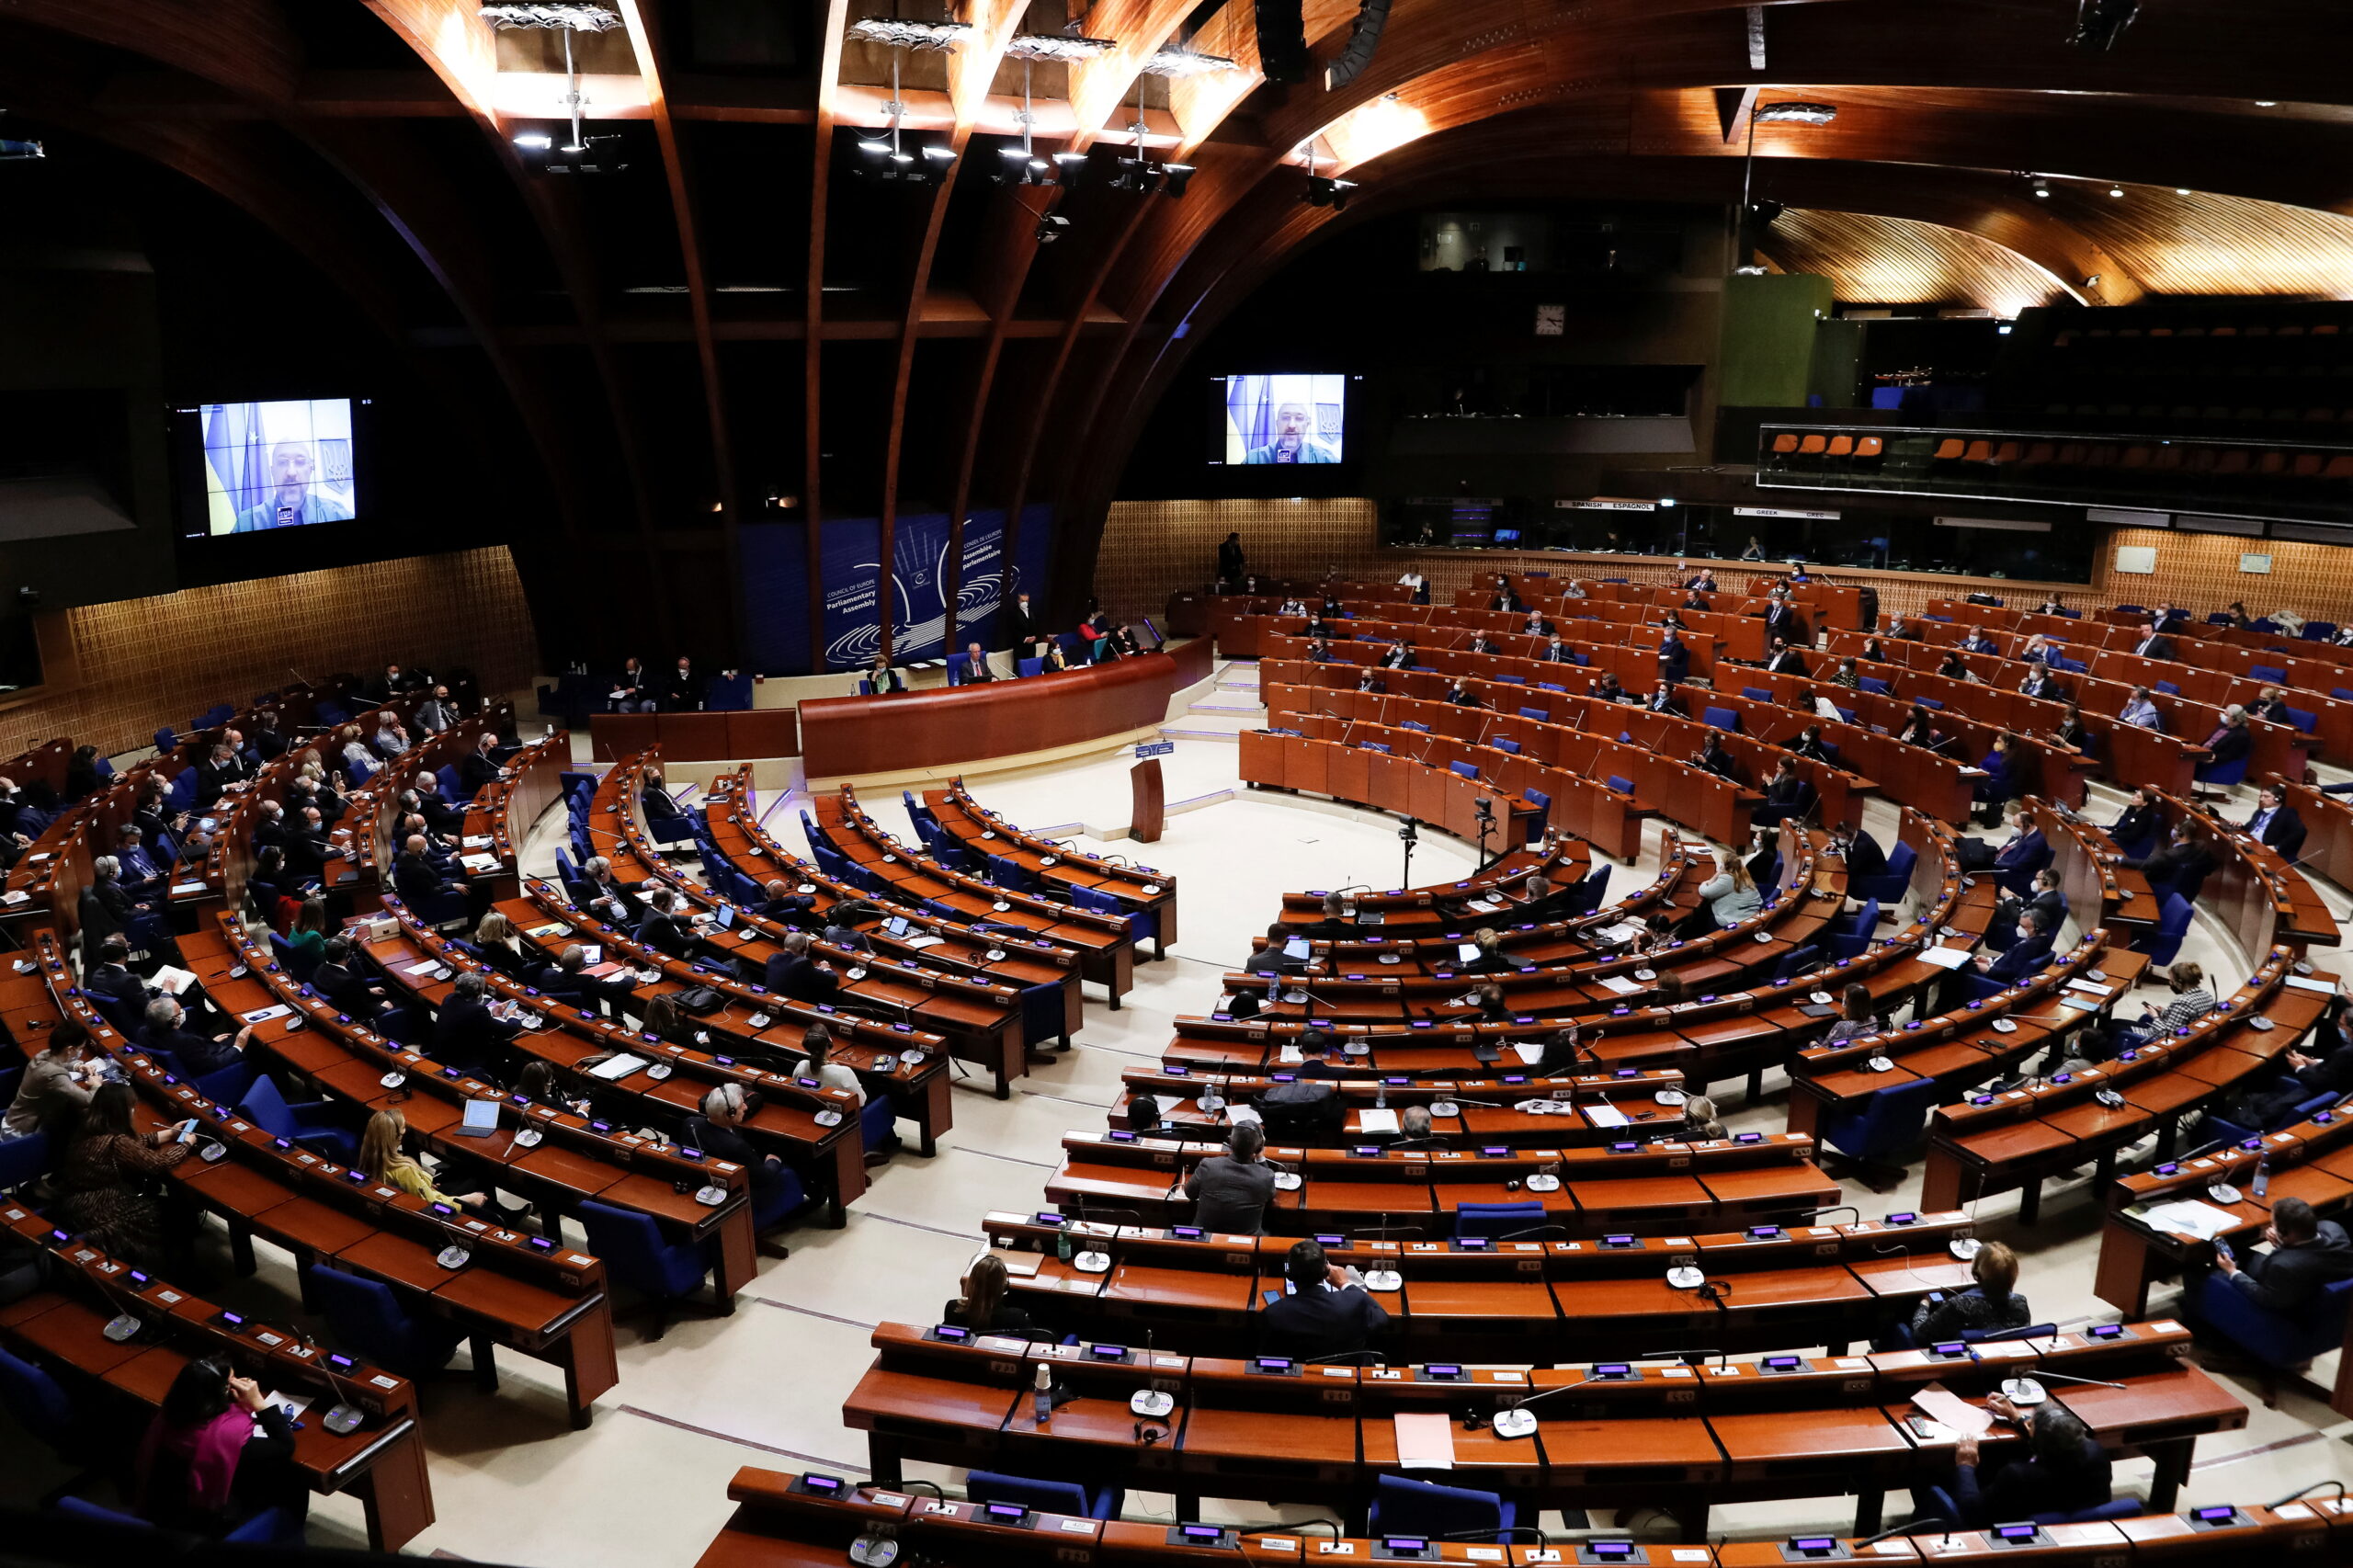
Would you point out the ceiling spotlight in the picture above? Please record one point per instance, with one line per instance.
(2042, 189)
(942, 156)
(1797, 113)
(2266, 103)
(573, 15)
(1324, 191)
(535, 140)
(1175, 61)
(1057, 46)
(2100, 23)
(2116, 190)
(1052, 227)
(905, 32)
(2181, 190)
(1135, 174)
(1178, 175)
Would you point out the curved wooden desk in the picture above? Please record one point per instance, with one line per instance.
(844, 735)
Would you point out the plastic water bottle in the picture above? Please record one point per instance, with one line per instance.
(2262, 1183)
(1044, 1400)
(1381, 1094)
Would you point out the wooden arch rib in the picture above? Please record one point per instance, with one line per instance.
(645, 38)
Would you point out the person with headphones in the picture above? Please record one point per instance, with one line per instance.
(717, 1132)
(1326, 1312)
(1231, 1190)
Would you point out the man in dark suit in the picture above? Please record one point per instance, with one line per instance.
(425, 800)
(2029, 952)
(1538, 624)
(1558, 652)
(1026, 633)
(795, 975)
(1785, 660)
(221, 770)
(1674, 660)
(416, 879)
(1540, 902)
(1400, 657)
(197, 1054)
(2153, 644)
(1461, 695)
(269, 826)
(1272, 958)
(568, 981)
(662, 931)
(601, 893)
(307, 845)
(975, 669)
(479, 767)
(2274, 823)
(1482, 643)
(2231, 740)
(2183, 860)
(1334, 922)
(783, 904)
(340, 980)
(466, 1037)
(1978, 642)
(682, 690)
(1782, 619)
(1863, 855)
(1663, 700)
(111, 976)
(1328, 1312)
(2307, 1253)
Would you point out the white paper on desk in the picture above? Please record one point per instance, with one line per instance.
(263, 1014)
(2326, 987)
(171, 981)
(619, 1067)
(1940, 1404)
(1242, 1116)
(1530, 1055)
(1289, 1056)
(474, 841)
(428, 967)
(2190, 1216)
(1484, 905)
(1377, 1119)
(1602, 1115)
(17, 896)
(1625, 930)
(1618, 984)
(2087, 986)
(1945, 957)
(479, 862)
(1425, 1441)
(183, 890)
(917, 943)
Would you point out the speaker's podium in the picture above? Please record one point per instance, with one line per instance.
(1147, 802)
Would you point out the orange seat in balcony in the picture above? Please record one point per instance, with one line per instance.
(2306, 466)
(2008, 452)
(1868, 448)
(1949, 449)
(1842, 446)
(2270, 465)
(1784, 443)
(2231, 464)
(1979, 453)
(1811, 445)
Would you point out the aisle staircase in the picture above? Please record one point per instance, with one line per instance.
(1232, 705)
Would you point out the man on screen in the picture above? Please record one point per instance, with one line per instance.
(1292, 443)
(291, 502)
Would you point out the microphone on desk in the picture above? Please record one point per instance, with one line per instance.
(460, 1252)
(2040, 1375)
(1513, 1420)
(1836, 1207)
(1685, 1356)
(343, 1416)
(2305, 1490)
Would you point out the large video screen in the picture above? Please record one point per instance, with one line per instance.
(244, 467)
(1279, 419)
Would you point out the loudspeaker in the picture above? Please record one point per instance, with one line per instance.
(1282, 41)
(1362, 40)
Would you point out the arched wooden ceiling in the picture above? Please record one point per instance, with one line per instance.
(1030, 368)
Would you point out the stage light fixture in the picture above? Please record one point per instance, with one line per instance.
(1136, 175)
(2042, 189)
(906, 32)
(534, 141)
(1175, 61)
(2116, 190)
(572, 15)
(1057, 46)
(1052, 227)
(1793, 113)
(1179, 175)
